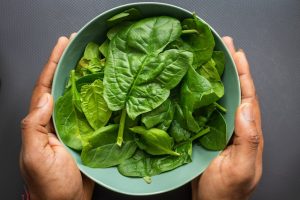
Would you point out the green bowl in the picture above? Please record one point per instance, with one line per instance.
(95, 30)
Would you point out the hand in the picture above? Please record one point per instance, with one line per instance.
(234, 174)
(48, 169)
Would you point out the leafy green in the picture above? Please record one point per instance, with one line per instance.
(94, 105)
(141, 98)
(154, 141)
(88, 79)
(104, 48)
(219, 58)
(197, 92)
(130, 14)
(178, 132)
(144, 165)
(101, 150)
(161, 117)
(70, 121)
(90, 62)
(137, 72)
(200, 41)
(216, 138)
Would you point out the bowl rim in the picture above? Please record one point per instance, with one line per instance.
(81, 30)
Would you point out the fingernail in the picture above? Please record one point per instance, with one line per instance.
(241, 50)
(248, 112)
(72, 36)
(43, 100)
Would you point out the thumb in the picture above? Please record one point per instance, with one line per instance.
(246, 139)
(34, 132)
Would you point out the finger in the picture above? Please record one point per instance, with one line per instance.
(246, 138)
(247, 86)
(88, 187)
(194, 185)
(72, 36)
(34, 132)
(229, 44)
(44, 82)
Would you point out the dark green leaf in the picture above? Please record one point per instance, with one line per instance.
(216, 138)
(154, 141)
(219, 58)
(115, 29)
(161, 116)
(127, 15)
(201, 44)
(198, 92)
(138, 75)
(100, 149)
(144, 165)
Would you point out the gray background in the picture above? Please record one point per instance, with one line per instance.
(268, 31)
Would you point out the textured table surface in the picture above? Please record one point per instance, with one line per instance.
(268, 31)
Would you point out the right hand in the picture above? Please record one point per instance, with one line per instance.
(234, 174)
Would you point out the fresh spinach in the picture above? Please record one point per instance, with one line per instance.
(137, 71)
(140, 99)
(100, 148)
(154, 141)
(70, 121)
(197, 92)
(94, 105)
(216, 138)
(161, 117)
(144, 165)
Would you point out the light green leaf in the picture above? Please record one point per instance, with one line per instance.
(94, 105)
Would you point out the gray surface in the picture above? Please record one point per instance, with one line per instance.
(268, 31)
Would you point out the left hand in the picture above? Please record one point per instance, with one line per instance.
(48, 169)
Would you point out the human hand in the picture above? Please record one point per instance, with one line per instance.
(234, 174)
(48, 169)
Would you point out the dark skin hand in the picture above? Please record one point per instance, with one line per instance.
(48, 169)
(234, 174)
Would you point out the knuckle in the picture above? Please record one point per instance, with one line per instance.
(253, 139)
(241, 177)
(26, 122)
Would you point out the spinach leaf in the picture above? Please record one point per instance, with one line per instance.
(178, 132)
(94, 105)
(198, 92)
(88, 79)
(219, 58)
(154, 141)
(161, 116)
(90, 61)
(130, 14)
(115, 29)
(91, 51)
(71, 124)
(138, 75)
(216, 138)
(209, 71)
(76, 99)
(145, 165)
(199, 41)
(100, 149)
(104, 48)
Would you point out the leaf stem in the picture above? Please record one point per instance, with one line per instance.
(201, 133)
(220, 107)
(121, 128)
(190, 31)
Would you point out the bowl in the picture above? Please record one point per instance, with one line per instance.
(95, 30)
